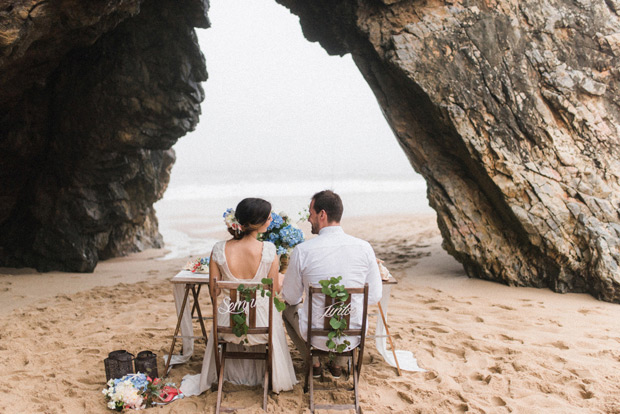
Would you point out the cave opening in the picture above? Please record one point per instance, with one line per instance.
(281, 119)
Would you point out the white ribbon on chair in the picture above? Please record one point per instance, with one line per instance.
(406, 360)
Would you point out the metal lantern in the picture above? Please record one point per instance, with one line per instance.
(118, 364)
(146, 362)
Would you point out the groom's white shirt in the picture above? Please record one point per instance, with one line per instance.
(333, 253)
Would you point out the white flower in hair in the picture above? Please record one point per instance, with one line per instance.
(231, 221)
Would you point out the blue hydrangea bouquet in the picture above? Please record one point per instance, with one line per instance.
(281, 233)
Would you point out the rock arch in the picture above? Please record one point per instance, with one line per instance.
(508, 109)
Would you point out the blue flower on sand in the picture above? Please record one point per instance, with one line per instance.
(138, 380)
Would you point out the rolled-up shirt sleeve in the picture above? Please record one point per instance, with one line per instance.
(292, 288)
(375, 286)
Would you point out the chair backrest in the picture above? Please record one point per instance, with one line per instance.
(329, 302)
(234, 304)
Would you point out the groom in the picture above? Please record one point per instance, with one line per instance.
(333, 253)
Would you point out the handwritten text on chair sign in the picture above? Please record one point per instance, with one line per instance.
(332, 310)
(240, 306)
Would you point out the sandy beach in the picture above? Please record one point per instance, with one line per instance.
(488, 348)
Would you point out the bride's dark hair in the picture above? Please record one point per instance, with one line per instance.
(251, 213)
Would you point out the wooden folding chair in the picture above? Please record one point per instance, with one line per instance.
(356, 354)
(250, 315)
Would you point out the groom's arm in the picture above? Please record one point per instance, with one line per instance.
(373, 278)
(293, 288)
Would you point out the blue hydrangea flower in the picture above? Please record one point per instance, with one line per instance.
(276, 221)
(291, 236)
(140, 382)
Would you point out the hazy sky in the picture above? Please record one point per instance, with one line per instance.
(276, 102)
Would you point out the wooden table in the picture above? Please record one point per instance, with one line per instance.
(192, 283)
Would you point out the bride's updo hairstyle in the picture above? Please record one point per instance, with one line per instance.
(251, 213)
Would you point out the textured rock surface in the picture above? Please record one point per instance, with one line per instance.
(510, 111)
(92, 97)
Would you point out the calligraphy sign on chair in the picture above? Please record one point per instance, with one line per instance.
(355, 354)
(225, 308)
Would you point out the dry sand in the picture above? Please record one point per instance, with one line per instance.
(488, 348)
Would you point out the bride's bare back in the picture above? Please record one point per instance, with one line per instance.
(243, 257)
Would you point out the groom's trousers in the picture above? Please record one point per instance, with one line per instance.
(291, 321)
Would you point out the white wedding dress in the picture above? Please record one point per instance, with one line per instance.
(247, 372)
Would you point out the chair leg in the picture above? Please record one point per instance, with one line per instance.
(355, 379)
(308, 373)
(265, 387)
(220, 381)
(311, 380)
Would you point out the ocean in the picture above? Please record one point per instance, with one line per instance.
(193, 205)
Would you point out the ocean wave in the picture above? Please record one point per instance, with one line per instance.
(204, 191)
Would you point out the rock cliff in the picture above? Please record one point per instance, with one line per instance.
(93, 94)
(510, 111)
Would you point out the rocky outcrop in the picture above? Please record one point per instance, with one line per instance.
(510, 111)
(92, 97)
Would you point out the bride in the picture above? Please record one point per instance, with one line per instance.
(245, 258)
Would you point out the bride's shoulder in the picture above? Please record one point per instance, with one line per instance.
(218, 251)
(269, 250)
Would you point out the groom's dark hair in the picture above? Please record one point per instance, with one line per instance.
(330, 202)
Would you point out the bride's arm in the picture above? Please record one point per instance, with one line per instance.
(274, 275)
(214, 274)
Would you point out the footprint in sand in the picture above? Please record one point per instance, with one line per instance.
(476, 376)
(89, 381)
(462, 408)
(406, 397)
(496, 369)
(89, 351)
(498, 402)
(585, 393)
(509, 338)
(439, 330)
(560, 345)
(510, 308)
(586, 311)
(430, 376)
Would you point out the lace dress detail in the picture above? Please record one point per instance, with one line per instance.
(247, 372)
